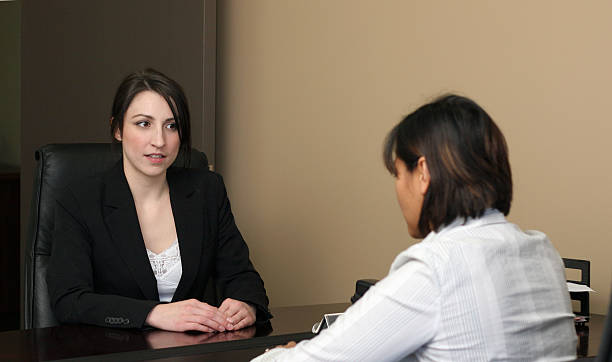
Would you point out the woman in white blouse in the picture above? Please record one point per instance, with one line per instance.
(477, 288)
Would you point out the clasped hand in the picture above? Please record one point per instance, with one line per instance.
(193, 315)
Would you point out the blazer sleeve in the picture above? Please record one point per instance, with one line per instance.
(235, 273)
(70, 277)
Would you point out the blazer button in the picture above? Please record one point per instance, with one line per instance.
(116, 320)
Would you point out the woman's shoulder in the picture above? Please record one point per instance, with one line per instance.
(430, 251)
(439, 249)
(82, 188)
(202, 181)
(80, 197)
(89, 190)
(193, 175)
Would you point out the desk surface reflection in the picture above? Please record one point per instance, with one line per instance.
(96, 343)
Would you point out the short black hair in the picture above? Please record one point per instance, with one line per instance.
(466, 155)
(155, 81)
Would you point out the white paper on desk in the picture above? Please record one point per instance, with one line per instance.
(574, 287)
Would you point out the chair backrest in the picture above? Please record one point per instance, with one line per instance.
(585, 278)
(58, 165)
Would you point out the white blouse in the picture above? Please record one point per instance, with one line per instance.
(168, 269)
(481, 290)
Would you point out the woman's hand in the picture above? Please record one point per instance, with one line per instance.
(286, 346)
(188, 315)
(240, 314)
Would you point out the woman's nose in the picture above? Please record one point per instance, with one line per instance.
(158, 138)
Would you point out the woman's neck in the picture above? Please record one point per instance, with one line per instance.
(145, 187)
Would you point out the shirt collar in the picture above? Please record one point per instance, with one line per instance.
(490, 216)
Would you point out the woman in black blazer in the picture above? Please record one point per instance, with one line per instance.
(143, 233)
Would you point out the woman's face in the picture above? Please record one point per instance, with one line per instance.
(149, 136)
(411, 187)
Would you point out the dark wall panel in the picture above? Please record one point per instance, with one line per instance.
(75, 53)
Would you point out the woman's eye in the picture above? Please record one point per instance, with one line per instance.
(171, 126)
(143, 123)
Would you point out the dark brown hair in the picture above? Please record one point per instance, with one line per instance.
(466, 156)
(170, 90)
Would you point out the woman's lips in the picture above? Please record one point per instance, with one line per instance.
(155, 157)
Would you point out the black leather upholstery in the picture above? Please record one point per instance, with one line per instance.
(58, 165)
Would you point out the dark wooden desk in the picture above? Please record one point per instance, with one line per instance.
(106, 344)
(589, 337)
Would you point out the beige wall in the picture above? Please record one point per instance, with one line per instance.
(308, 89)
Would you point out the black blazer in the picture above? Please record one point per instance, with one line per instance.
(99, 271)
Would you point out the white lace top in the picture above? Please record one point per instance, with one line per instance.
(168, 269)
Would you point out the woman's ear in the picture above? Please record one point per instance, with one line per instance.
(424, 176)
(117, 133)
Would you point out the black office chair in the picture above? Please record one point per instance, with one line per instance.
(59, 164)
(585, 279)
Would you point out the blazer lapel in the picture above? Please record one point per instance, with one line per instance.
(188, 212)
(122, 223)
